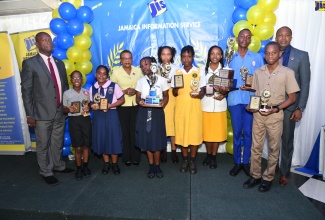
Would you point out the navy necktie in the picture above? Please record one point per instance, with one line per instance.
(101, 92)
(56, 85)
(149, 119)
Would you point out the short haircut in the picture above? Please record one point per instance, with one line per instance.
(273, 43)
(76, 71)
(125, 51)
(188, 49)
(103, 66)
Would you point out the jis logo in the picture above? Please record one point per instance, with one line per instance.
(30, 43)
(157, 7)
(319, 5)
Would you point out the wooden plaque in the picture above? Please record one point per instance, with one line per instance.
(76, 105)
(225, 73)
(103, 105)
(178, 81)
(255, 102)
(249, 80)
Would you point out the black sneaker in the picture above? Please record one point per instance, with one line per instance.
(78, 175)
(86, 172)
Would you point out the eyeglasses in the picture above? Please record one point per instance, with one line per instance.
(76, 78)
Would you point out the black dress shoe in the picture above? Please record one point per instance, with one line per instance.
(207, 160)
(235, 170)
(78, 175)
(106, 168)
(251, 182)
(51, 180)
(246, 168)
(213, 164)
(66, 170)
(184, 167)
(163, 156)
(129, 163)
(159, 173)
(86, 172)
(193, 169)
(151, 173)
(116, 170)
(136, 163)
(265, 186)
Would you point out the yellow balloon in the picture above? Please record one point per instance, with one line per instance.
(264, 31)
(84, 66)
(82, 41)
(255, 15)
(236, 46)
(74, 54)
(270, 18)
(55, 13)
(76, 3)
(88, 30)
(86, 55)
(69, 66)
(240, 25)
(255, 44)
(73, 150)
(268, 5)
(230, 147)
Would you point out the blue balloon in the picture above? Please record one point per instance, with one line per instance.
(59, 53)
(66, 151)
(75, 27)
(65, 41)
(263, 44)
(66, 120)
(85, 14)
(58, 26)
(67, 11)
(55, 42)
(236, 4)
(246, 4)
(90, 78)
(87, 85)
(231, 33)
(67, 127)
(67, 139)
(239, 14)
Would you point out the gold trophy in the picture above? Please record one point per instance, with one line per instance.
(246, 77)
(194, 84)
(265, 97)
(229, 51)
(97, 100)
(85, 102)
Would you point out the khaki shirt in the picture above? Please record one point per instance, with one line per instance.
(125, 81)
(281, 82)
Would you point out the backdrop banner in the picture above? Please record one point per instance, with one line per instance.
(143, 26)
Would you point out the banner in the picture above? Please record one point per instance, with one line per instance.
(12, 138)
(143, 26)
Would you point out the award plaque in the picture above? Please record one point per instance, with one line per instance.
(76, 106)
(255, 102)
(194, 84)
(85, 102)
(249, 80)
(103, 104)
(178, 81)
(226, 73)
(209, 89)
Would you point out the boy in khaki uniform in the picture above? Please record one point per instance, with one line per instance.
(279, 81)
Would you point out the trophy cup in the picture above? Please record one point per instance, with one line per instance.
(85, 102)
(229, 51)
(165, 70)
(97, 100)
(246, 77)
(152, 99)
(265, 97)
(194, 85)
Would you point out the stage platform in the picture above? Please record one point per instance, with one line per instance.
(210, 194)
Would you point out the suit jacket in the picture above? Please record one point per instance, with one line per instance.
(37, 87)
(299, 63)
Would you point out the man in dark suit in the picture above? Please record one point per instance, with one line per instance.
(43, 81)
(298, 61)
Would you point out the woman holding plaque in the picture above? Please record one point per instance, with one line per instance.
(150, 121)
(188, 109)
(166, 56)
(107, 135)
(214, 107)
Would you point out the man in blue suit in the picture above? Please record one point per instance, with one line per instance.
(298, 61)
(43, 81)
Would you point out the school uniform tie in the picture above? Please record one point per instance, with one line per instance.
(101, 92)
(149, 119)
(57, 91)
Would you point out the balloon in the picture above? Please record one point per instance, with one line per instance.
(55, 13)
(255, 15)
(87, 86)
(239, 14)
(236, 46)
(86, 55)
(59, 53)
(83, 42)
(85, 14)
(65, 40)
(264, 31)
(67, 11)
(58, 26)
(246, 4)
(90, 78)
(268, 5)
(74, 54)
(88, 30)
(76, 3)
(67, 139)
(270, 18)
(240, 25)
(55, 42)
(67, 127)
(66, 151)
(236, 4)
(84, 66)
(75, 27)
(230, 146)
(73, 150)
(263, 44)
(69, 66)
(255, 44)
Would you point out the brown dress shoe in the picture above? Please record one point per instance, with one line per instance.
(283, 181)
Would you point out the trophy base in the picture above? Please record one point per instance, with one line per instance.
(152, 102)
(194, 93)
(85, 114)
(264, 110)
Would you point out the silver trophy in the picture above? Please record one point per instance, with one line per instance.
(229, 51)
(265, 97)
(165, 70)
(243, 71)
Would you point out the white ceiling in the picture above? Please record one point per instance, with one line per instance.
(15, 7)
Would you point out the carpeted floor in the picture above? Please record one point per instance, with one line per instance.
(210, 194)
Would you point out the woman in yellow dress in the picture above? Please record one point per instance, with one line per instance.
(188, 110)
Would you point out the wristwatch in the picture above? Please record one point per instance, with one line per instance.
(277, 107)
(300, 109)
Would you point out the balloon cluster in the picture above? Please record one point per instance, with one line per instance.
(70, 23)
(258, 17)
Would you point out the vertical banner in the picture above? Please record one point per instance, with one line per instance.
(12, 138)
(143, 26)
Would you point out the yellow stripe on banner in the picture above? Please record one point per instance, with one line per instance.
(12, 147)
(6, 69)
